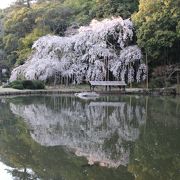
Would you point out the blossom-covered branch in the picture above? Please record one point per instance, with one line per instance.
(93, 53)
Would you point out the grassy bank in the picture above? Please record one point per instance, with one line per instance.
(81, 88)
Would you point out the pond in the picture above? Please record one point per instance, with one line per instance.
(107, 138)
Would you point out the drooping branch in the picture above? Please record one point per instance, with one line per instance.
(102, 47)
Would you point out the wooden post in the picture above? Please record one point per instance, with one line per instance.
(147, 83)
(131, 81)
(178, 81)
(55, 81)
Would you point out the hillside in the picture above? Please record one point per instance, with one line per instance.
(157, 26)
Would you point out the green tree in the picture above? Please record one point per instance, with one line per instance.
(24, 22)
(157, 29)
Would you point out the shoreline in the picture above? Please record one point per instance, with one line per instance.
(70, 90)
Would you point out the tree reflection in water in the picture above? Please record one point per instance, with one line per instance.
(139, 136)
(100, 131)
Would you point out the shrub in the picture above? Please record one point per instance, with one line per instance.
(16, 84)
(157, 82)
(38, 85)
(27, 84)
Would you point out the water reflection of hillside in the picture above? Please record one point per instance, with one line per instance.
(100, 131)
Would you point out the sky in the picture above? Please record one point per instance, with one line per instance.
(4, 170)
(5, 3)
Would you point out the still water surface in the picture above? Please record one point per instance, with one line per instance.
(108, 138)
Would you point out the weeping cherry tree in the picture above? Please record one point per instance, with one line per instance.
(104, 50)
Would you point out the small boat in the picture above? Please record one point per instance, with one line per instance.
(87, 95)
